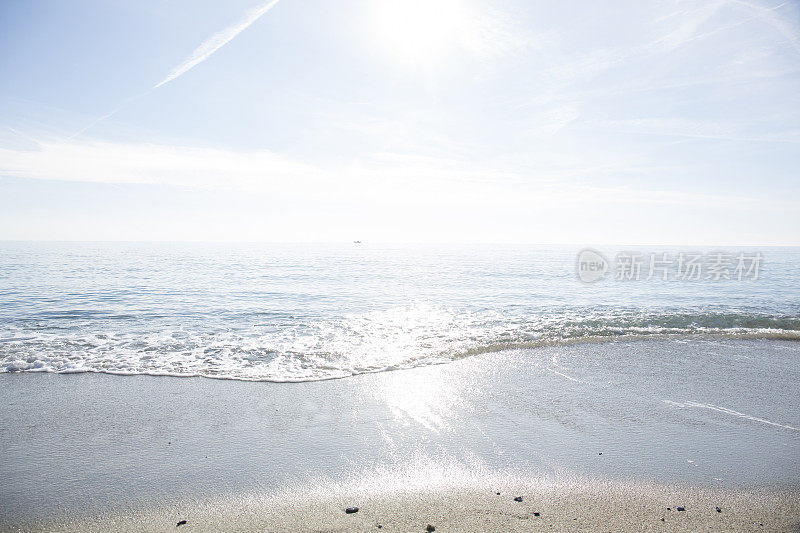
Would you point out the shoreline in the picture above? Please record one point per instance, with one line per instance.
(734, 335)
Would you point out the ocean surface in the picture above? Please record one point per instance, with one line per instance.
(305, 312)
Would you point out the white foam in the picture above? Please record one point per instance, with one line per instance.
(319, 347)
(731, 412)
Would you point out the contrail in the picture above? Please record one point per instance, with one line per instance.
(200, 54)
(24, 136)
(215, 42)
(123, 105)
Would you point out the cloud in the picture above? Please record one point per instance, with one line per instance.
(215, 42)
(390, 177)
(692, 21)
(223, 194)
(185, 166)
(695, 129)
(384, 177)
(200, 54)
(492, 34)
(781, 25)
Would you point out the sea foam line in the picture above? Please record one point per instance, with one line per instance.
(554, 371)
(731, 412)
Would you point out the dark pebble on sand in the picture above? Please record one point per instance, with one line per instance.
(181, 523)
(351, 510)
(537, 514)
(601, 453)
(498, 494)
(669, 508)
(518, 499)
(718, 510)
(430, 528)
(681, 508)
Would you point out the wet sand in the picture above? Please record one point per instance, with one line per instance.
(601, 435)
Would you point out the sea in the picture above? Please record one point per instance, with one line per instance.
(306, 312)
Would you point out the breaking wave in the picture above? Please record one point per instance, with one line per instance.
(280, 347)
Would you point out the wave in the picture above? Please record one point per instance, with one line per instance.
(281, 349)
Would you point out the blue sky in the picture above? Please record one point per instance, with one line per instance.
(556, 122)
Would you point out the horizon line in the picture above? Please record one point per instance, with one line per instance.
(405, 242)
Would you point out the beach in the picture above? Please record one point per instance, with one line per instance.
(399, 265)
(561, 505)
(596, 435)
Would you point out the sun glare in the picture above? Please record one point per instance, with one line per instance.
(418, 33)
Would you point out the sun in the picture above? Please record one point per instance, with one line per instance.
(418, 33)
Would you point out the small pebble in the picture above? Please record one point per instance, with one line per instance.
(498, 494)
(351, 510)
(718, 510)
(518, 499)
(681, 508)
(430, 528)
(662, 519)
(601, 453)
(536, 514)
(669, 508)
(181, 523)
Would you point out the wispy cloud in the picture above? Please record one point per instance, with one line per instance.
(780, 24)
(183, 166)
(695, 129)
(215, 42)
(691, 22)
(378, 176)
(200, 54)
(258, 194)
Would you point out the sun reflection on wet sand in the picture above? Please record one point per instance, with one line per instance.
(434, 400)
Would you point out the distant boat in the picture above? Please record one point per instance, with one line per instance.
(356, 242)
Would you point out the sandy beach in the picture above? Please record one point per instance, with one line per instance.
(587, 444)
(411, 501)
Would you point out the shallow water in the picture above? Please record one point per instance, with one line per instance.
(307, 312)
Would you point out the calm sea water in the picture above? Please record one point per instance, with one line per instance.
(308, 312)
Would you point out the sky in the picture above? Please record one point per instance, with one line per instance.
(663, 122)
